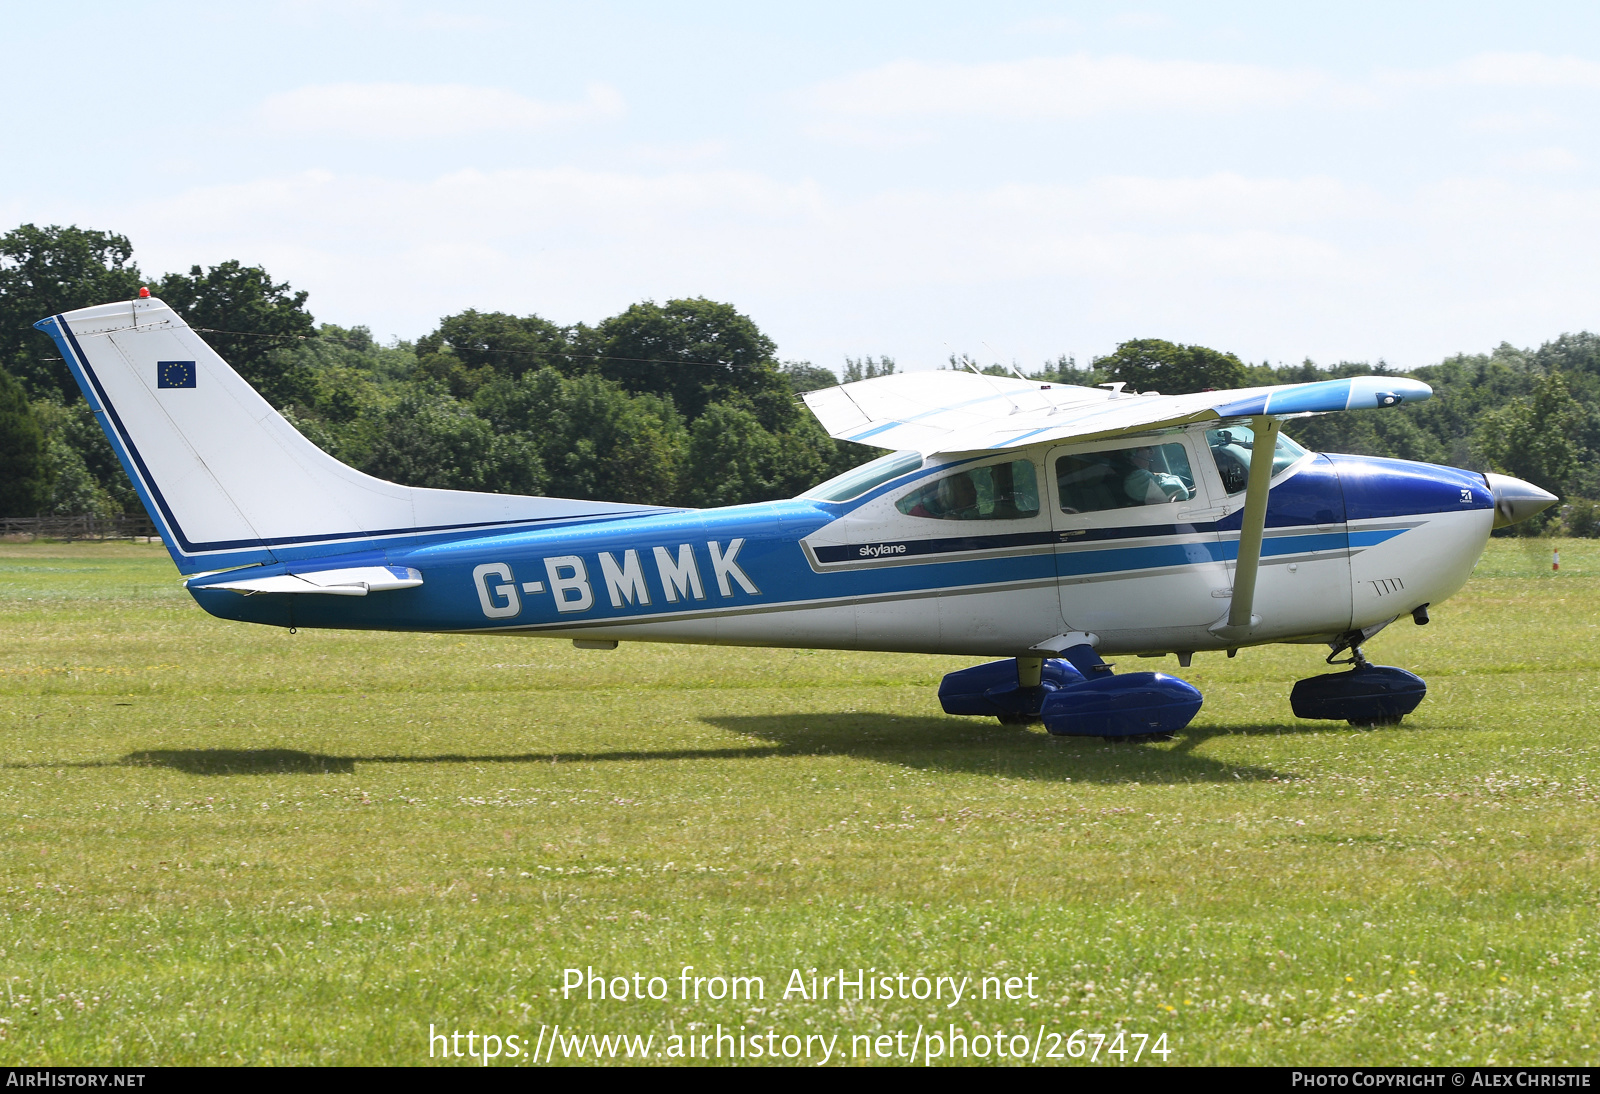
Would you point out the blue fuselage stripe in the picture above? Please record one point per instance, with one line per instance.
(769, 552)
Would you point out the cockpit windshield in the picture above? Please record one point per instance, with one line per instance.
(1231, 449)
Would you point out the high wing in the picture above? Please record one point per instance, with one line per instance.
(949, 411)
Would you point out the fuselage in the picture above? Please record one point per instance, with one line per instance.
(1131, 541)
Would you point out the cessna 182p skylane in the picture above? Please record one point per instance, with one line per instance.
(1044, 524)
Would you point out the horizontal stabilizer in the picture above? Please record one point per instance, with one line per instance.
(948, 411)
(350, 581)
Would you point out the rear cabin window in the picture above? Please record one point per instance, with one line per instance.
(1158, 474)
(858, 480)
(1000, 491)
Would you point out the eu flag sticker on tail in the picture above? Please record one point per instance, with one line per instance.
(174, 374)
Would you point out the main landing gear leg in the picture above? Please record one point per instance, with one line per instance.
(1029, 671)
(1030, 674)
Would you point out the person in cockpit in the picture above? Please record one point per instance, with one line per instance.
(1148, 484)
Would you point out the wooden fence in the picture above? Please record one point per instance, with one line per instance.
(87, 526)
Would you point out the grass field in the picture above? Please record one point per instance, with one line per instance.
(224, 843)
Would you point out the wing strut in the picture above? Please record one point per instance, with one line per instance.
(1240, 619)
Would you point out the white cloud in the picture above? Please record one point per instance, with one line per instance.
(1268, 267)
(1140, 20)
(678, 155)
(870, 135)
(328, 15)
(1509, 70)
(1512, 121)
(390, 111)
(1529, 70)
(1046, 24)
(1553, 158)
(1063, 87)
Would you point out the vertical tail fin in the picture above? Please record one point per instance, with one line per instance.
(226, 479)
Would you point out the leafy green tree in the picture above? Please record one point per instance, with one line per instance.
(431, 439)
(1535, 438)
(1465, 387)
(1151, 364)
(73, 490)
(865, 368)
(695, 352)
(24, 481)
(355, 350)
(470, 349)
(809, 455)
(846, 454)
(352, 382)
(1370, 433)
(1064, 370)
(325, 436)
(597, 442)
(46, 271)
(1583, 518)
(250, 320)
(648, 453)
(734, 459)
(804, 376)
(78, 426)
(83, 471)
(1577, 358)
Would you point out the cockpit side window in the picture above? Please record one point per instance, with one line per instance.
(1230, 448)
(999, 491)
(1156, 474)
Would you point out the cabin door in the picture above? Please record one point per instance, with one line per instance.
(1138, 557)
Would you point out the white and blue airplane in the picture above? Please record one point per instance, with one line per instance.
(1042, 524)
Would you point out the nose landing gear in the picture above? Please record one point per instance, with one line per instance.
(1367, 695)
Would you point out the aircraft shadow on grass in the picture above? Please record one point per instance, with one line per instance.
(287, 761)
(984, 748)
(932, 743)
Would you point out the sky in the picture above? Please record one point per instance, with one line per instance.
(1010, 181)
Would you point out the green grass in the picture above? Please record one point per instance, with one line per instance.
(225, 843)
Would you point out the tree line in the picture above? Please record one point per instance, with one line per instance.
(678, 403)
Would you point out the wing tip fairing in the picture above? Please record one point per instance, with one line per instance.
(1328, 396)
